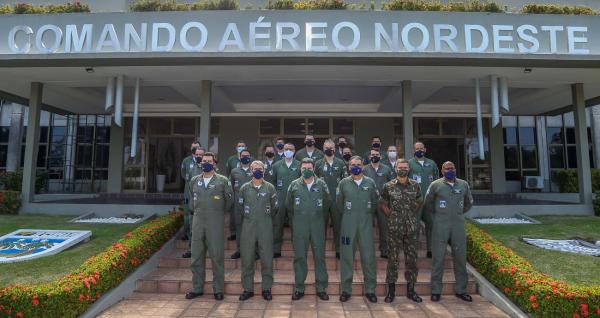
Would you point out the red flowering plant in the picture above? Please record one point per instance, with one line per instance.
(534, 292)
(74, 293)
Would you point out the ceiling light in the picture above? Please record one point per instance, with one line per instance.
(527, 70)
(89, 69)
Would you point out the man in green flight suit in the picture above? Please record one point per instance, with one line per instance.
(375, 144)
(238, 177)
(233, 162)
(310, 151)
(211, 197)
(186, 166)
(308, 200)
(332, 170)
(381, 174)
(259, 205)
(284, 172)
(269, 161)
(424, 171)
(194, 171)
(357, 197)
(400, 201)
(449, 198)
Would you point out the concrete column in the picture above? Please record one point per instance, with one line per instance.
(32, 142)
(15, 136)
(407, 118)
(497, 159)
(115, 159)
(205, 104)
(595, 112)
(542, 148)
(583, 158)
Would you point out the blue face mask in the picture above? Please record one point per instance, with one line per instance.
(279, 146)
(376, 145)
(258, 174)
(245, 160)
(419, 153)
(450, 174)
(356, 170)
(207, 167)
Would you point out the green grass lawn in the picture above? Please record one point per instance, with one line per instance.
(49, 268)
(569, 267)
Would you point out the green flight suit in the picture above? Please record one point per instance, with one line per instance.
(332, 174)
(283, 176)
(358, 203)
(238, 177)
(392, 166)
(231, 163)
(448, 204)
(269, 170)
(210, 202)
(307, 208)
(302, 153)
(381, 176)
(259, 206)
(424, 175)
(187, 164)
(367, 156)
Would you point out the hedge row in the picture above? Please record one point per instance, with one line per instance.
(26, 8)
(535, 292)
(567, 180)
(10, 202)
(76, 292)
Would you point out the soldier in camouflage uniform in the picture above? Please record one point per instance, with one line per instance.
(400, 201)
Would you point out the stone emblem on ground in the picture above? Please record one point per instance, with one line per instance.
(570, 246)
(26, 244)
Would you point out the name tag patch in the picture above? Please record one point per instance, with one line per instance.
(461, 204)
(211, 186)
(241, 200)
(319, 202)
(365, 188)
(297, 201)
(457, 191)
(279, 183)
(246, 209)
(417, 178)
(348, 205)
(442, 204)
(380, 174)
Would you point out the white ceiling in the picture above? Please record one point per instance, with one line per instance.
(294, 89)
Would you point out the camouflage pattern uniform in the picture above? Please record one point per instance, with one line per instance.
(404, 201)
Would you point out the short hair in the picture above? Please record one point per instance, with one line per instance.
(195, 142)
(280, 138)
(241, 142)
(401, 160)
(291, 144)
(388, 147)
(418, 142)
(375, 137)
(308, 160)
(448, 163)
(374, 149)
(267, 146)
(245, 150)
(257, 163)
(340, 137)
(359, 158)
(328, 142)
(350, 149)
(199, 148)
(212, 155)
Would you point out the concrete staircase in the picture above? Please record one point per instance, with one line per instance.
(174, 276)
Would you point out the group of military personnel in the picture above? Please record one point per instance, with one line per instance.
(311, 189)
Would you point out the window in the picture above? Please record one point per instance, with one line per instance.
(520, 147)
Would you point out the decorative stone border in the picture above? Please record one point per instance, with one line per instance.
(125, 218)
(524, 219)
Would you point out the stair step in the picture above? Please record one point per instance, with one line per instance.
(170, 280)
(174, 260)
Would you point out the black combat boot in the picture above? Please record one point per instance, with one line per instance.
(411, 294)
(391, 293)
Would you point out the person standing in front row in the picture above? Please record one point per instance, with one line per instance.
(259, 204)
(400, 201)
(357, 197)
(424, 171)
(449, 198)
(308, 201)
(284, 172)
(211, 197)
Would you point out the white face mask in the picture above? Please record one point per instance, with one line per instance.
(288, 153)
(392, 154)
(240, 149)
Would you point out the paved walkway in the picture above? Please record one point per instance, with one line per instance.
(174, 305)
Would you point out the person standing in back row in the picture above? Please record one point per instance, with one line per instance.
(310, 151)
(238, 177)
(424, 171)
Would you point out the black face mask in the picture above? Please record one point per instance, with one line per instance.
(269, 154)
(375, 159)
(376, 145)
(328, 152)
(342, 144)
(309, 143)
(198, 160)
(347, 156)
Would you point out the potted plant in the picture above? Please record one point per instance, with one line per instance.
(160, 178)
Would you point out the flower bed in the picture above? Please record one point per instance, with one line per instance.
(533, 291)
(71, 295)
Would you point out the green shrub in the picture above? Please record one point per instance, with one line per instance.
(320, 5)
(13, 180)
(568, 182)
(6, 9)
(172, 5)
(280, 5)
(533, 291)
(596, 204)
(543, 8)
(10, 202)
(74, 293)
(216, 5)
(26, 8)
(435, 5)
